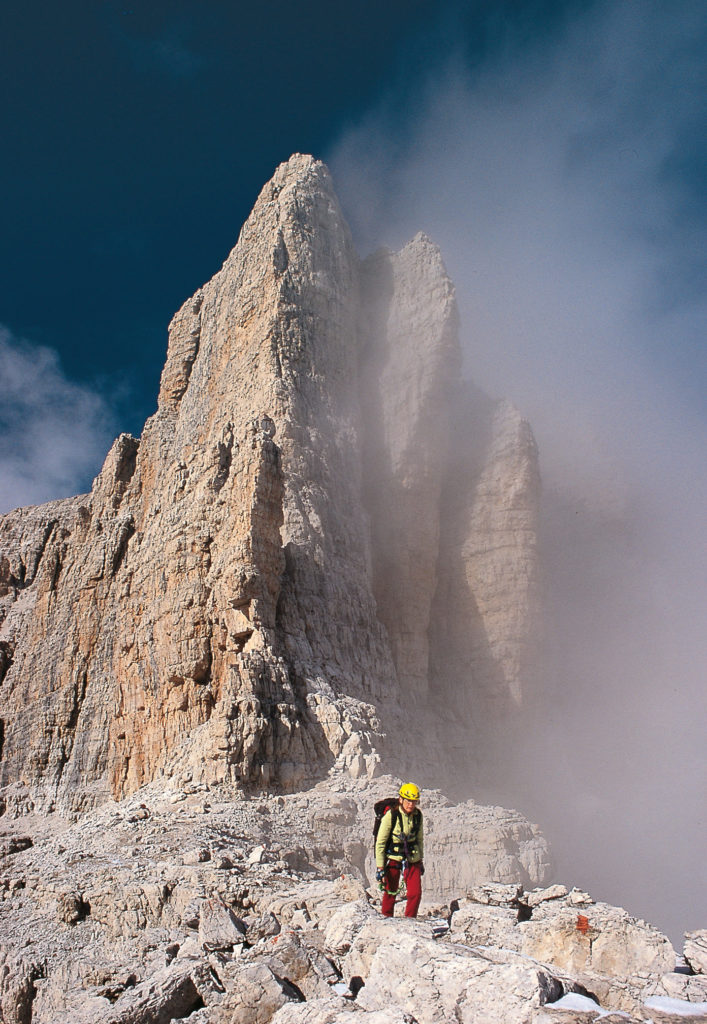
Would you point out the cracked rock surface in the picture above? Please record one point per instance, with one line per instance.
(321, 528)
(201, 905)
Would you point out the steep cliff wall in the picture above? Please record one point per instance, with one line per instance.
(317, 531)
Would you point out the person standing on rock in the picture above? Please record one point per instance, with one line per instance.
(400, 842)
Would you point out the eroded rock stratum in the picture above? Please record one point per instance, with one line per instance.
(321, 551)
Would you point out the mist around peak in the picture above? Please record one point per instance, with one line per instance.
(562, 185)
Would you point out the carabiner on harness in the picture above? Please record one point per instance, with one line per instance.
(402, 887)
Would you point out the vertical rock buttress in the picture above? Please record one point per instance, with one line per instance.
(452, 486)
(318, 529)
(411, 361)
(207, 606)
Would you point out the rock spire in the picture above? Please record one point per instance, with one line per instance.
(321, 551)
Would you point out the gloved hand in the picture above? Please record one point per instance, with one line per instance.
(380, 874)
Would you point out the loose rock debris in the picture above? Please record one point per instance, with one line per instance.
(186, 914)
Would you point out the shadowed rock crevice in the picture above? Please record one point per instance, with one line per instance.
(126, 529)
(410, 359)
(125, 454)
(225, 458)
(29, 571)
(7, 652)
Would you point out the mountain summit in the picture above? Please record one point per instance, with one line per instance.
(321, 552)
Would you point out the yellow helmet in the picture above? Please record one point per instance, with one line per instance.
(409, 791)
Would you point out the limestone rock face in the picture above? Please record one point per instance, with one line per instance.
(319, 529)
(473, 844)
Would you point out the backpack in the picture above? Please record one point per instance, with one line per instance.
(390, 803)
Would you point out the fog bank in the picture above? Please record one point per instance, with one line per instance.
(562, 183)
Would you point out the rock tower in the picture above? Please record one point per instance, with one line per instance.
(321, 552)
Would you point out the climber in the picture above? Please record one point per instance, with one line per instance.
(399, 841)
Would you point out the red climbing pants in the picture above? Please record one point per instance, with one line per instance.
(413, 880)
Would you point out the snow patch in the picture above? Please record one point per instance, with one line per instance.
(680, 1007)
(583, 1004)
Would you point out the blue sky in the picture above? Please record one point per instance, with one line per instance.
(556, 152)
(137, 136)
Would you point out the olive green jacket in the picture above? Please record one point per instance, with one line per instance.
(403, 824)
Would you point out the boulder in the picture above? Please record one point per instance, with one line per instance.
(402, 965)
(263, 927)
(334, 1010)
(602, 940)
(289, 956)
(325, 1010)
(219, 928)
(696, 950)
(481, 925)
(345, 925)
(616, 957)
(175, 991)
(253, 994)
(196, 857)
(552, 892)
(691, 988)
(321, 899)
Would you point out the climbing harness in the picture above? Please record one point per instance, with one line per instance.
(401, 891)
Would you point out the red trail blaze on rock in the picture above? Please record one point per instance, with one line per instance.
(582, 924)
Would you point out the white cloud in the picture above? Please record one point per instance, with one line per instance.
(54, 433)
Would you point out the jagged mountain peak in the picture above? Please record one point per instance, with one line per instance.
(312, 539)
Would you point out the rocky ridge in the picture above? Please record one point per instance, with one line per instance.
(201, 905)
